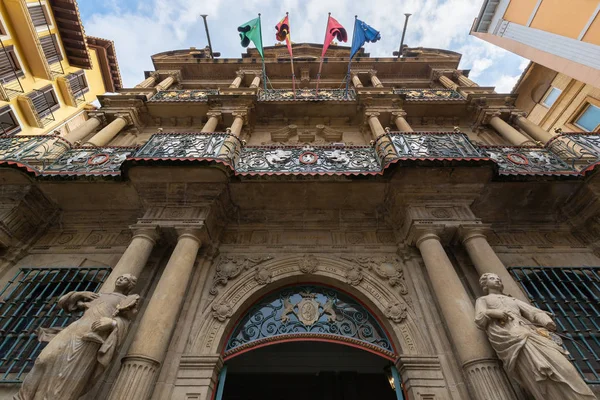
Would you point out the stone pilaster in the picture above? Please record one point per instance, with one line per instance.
(200, 373)
(136, 378)
(487, 380)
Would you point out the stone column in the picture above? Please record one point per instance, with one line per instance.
(108, 133)
(374, 123)
(213, 121)
(374, 79)
(484, 259)
(238, 80)
(84, 129)
(255, 82)
(447, 82)
(147, 351)
(228, 150)
(166, 83)
(400, 121)
(135, 257)
(486, 379)
(238, 122)
(463, 80)
(533, 130)
(356, 81)
(148, 82)
(509, 133)
(384, 147)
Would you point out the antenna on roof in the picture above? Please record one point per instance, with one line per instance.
(403, 33)
(207, 35)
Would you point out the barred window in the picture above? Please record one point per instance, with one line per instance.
(28, 302)
(51, 48)
(44, 100)
(572, 294)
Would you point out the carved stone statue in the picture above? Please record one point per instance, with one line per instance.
(77, 355)
(520, 335)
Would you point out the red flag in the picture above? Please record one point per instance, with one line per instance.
(283, 33)
(334, 30)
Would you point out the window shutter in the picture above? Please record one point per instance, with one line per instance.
(7, 65)
(51, 49)
(37, 15)
(43, 100)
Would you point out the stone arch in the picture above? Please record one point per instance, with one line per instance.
(377, 282)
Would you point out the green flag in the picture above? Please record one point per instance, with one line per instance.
(250, 31)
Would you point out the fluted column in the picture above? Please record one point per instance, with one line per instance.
(509, 133)
(213, 121)
(166, 83)
(485, 260)
(255, 82)
(400, 121)
(238, 80)
(486, 378)
(147, 351)
(384, 146)
(463, 80)
(356, 81)
(228, 150)
(374, 79)
(108, 133)
(84, 129)
(445, 81)
(148, 82)
(135, 257)
(238, 122)
(533, 130)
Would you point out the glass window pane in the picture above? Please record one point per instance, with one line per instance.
(590, 119)
(551, 97)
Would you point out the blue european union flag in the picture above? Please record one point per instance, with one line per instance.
(362, 33)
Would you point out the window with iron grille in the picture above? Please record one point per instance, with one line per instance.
(38, 15)
(10, 69)
(572, 294)
(8, 122)
(44, 100)
(78, 83)
(51, 48)
(29, 302)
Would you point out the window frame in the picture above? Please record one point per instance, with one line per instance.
(582, 110)
(59, 54)
(11, 54)
(45, 90)
(548, 93)
(80, 76)
(49, 21)
(17, 128)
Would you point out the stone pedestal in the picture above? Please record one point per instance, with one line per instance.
(83, 130)
(509, 133)
(146, 353)
(107, 133)
(471, 344)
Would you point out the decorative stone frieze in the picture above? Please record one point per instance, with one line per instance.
(230, 267)
(222, 311)
(308, 264)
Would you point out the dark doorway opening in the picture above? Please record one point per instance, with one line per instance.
(307, 370)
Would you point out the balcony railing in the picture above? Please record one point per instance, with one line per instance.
(429, 94)
(306, 95)
(101, 161)
(183, 95)
(52, 155)
(579, 150)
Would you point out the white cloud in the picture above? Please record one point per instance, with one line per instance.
(505, 83)
(143, 28)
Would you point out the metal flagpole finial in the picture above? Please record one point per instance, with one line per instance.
(287, 13)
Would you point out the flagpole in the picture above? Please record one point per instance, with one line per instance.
(289, 37)
(350, 61)
(321, 63)
(263, 58)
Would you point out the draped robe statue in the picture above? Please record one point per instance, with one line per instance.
(76, 356)
(519, 333)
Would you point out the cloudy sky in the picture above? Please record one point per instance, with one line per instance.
(141, 28)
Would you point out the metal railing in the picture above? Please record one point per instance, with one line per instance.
(11, 87)
(527, 160)
(579, 150)
(306, 95)
(37, 151)
(429, 94)
(186, 95)
(28, 302)
(572, 295)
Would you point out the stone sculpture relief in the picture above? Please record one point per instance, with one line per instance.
(230, 267)
(385, 267)
(78, 355)
(522, 336)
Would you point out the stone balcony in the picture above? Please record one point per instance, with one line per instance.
(52, 156)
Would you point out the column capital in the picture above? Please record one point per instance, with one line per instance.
(240, 73)
(194, 233)
(151, 233)
(488, 115)
(126, 117)
(153, 74)
(243, 114)
(467, 232)
(398, 114)
(456, 73)
(514, 115)
(215, 114)
(99, 116)
(372, 114)
(372, 72)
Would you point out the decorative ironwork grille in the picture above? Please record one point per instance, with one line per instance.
(311, 312)
(429, 94)
(434, 145)
(578, 149)
(306, 95)
(183, 95)
(38, 150)
(572, 294)
(182, 146)
(90, 161)
(527, 161)
(29, 302)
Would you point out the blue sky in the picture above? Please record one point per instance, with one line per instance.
(142, 28)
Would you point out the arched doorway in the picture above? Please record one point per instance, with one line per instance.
(308, 341)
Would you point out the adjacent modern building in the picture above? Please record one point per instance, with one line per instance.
(50, 71)
(301, 244)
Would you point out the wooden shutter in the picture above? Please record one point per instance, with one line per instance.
(44, 100)
(78, 83)
(51, 49)
(8, 122)
(37, 15)
(8, 65)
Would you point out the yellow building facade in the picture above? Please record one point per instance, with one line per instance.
(50, 71)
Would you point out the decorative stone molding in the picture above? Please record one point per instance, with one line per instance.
(139, 369)
(385, 267)
(422, 377)
(284, 134)
(222, 311)
(241, 114)
(263, 275)
(487, 376)
(230, 267)
(397, 312)
(354, 275)
(308, 264)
